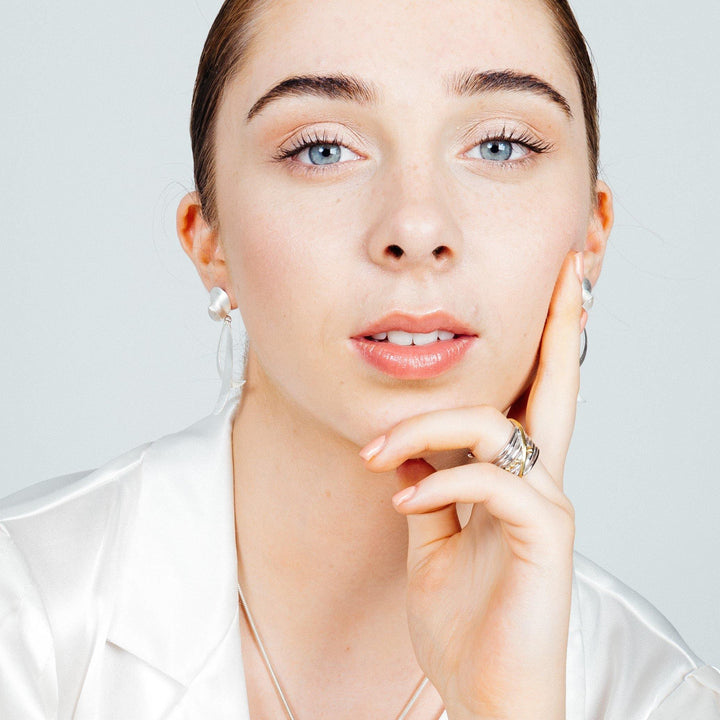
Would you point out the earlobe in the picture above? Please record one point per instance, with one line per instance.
(201, 243)
(601, 222)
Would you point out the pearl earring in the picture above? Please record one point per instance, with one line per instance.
(219, 310)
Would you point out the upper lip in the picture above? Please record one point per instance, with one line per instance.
(438, 320)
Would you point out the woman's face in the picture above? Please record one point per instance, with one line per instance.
(429, 192)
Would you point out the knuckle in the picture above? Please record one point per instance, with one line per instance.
(486, 413)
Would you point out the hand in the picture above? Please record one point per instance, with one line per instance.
(489, 603)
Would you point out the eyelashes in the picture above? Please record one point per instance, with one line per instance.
(504, 140)
(523, 138)
(306, 141)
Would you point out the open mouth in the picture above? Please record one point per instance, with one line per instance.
(413, 356)
(414, 347)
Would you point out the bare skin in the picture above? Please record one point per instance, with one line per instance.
(336, 577)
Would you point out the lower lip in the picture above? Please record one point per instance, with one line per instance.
(414, 362)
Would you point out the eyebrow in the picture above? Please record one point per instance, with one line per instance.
(464, 84)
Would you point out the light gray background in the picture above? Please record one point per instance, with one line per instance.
(106, 341)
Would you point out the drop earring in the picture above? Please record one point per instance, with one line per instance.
(587, 302)
(219, 310)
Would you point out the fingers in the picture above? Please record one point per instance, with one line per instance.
(484, 430)
(534, 510)
(507, 497)
(552, 402)
(534, 524)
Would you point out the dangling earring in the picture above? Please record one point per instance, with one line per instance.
(219, 310)
(588, 301)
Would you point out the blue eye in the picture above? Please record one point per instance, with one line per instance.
(324, 154)
(499, 150)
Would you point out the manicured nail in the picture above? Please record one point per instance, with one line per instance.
(373, 448)
(404, 495)
(580, 266)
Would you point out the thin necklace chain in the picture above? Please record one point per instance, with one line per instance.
(251, 622)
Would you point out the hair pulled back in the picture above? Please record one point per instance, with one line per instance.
(226, 48)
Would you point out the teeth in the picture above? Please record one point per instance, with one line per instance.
(424, 338)
(400, 337)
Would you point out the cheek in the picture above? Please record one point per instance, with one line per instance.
(272, 280)
(519, 240)
(517, 236)
(279, 273)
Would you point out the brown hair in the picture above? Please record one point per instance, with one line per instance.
(227, 45)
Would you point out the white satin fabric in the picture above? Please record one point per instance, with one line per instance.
(118, 601)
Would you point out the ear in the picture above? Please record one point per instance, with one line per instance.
(201, 243)
(601, 222)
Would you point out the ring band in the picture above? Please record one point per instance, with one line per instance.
(520, 454)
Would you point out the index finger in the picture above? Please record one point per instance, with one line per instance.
(552, 402)
(483, 429)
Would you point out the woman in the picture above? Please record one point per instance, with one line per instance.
(272, 561)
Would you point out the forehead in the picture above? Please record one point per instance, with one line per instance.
(405, 48)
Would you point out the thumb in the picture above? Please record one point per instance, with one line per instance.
(428, 528)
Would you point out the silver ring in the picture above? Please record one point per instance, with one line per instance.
(520, 454)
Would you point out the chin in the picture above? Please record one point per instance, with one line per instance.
(377, 410)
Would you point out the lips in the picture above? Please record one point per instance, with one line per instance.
(414, 347)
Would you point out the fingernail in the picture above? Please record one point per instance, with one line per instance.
(373, 448)
(404, 495)
(580, 266)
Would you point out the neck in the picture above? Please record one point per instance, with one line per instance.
(320, 546)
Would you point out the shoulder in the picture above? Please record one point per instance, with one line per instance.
(57, 510)
(634, 658)
(56, 522)
(52, 555)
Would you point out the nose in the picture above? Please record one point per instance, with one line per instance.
(415, 228)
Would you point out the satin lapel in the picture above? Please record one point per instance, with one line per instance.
(177, 594)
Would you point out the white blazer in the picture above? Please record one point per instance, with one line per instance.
(118, 601)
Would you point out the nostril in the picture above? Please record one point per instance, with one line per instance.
(441, 250)
(395, 250)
